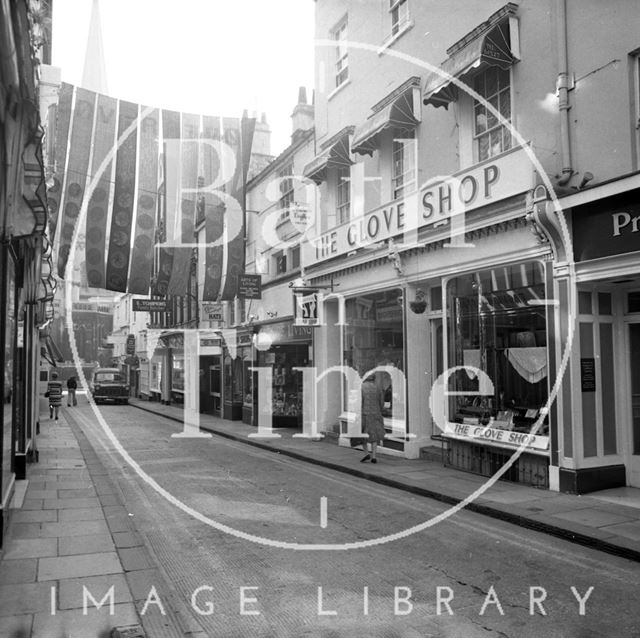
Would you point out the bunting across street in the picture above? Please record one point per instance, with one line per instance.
(135, 180)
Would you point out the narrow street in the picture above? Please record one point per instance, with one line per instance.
(488, 571)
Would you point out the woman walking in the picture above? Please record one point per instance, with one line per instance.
(372, 421)
(54, 392)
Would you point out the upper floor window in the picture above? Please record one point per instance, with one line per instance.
(343, 197)
(491, 137)
(399, 14)
(286, 191)
(294, 254)
(280, 263)
(339, 34)
(403, 178)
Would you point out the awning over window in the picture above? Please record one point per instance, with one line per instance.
(493, 43)
(335, 154)
(399, 110)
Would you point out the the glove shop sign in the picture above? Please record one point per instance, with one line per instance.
(607, 227)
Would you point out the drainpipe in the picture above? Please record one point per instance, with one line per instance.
(562, 85)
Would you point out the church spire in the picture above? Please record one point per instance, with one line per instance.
(94, 76)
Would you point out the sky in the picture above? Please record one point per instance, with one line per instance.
(211, 57)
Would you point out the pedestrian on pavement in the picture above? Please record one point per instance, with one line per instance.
(54, 393)
(72, 386)
(372, 421)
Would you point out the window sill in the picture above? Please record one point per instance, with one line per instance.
(338, 89)
(408, 25)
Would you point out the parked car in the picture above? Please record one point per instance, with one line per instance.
(108, 384)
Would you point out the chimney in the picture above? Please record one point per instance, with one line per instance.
(302, 116)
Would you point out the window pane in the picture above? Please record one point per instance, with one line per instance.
(492, 82)
(604, 303)
(483, 148)
(584, 303)
(634, 301)
(481, 119)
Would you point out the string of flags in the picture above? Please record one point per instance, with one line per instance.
(138, 182)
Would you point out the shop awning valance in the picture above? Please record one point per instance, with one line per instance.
(400, 110)
(50, 351)
(493, 43)
(335, 153)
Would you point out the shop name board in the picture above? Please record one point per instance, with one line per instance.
(250, 286)
(435, 202)
(213, 311)
(607, 227)
(496, 435)
(150, 305)
(285, 332)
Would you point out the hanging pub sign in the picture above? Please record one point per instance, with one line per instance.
(249, 287)
(306, 308)
(150, 305)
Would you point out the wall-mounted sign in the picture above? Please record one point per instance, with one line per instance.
(437, 201)
(150, 305)
(496, 436)
(213, 311)
(249, 286)
(306, 308)
(131, 344)
(609, 226)
(588, 375)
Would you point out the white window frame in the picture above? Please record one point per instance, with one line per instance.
(404, 180)
(399, 10)
(498, 126)
(293, 251)
(343, 195)
(286, 199)
(340, 33)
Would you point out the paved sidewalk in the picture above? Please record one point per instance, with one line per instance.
(608, 520)
(71, 532)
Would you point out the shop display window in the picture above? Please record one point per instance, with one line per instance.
(177, 375)
(287, 383)
(247, 378)
(496, 323)
(374, 336)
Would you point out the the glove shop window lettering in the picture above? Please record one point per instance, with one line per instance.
(496, 323)
(374, 336)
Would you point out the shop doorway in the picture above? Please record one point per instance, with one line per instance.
(633, 406)
(436, 337)
(211, 385)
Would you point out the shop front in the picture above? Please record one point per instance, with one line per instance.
(496, 386)
(601, 449)
(373, 344)
(283, 347)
